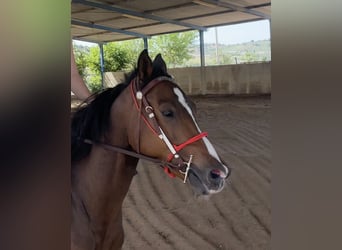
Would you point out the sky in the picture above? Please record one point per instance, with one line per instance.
(231, 34)
(239, 33)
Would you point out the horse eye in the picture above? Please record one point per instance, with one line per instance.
(167, 113)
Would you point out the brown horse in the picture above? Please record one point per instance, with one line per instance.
(148, 117)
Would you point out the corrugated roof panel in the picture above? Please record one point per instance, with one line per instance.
(75, 7)
(186, 11)
(125, 22)
(244, 3)
(109, 37)
(95, 15)
(222, 19)
(183, 10)
(146, 5)
(81, 31)
(159, 28)
(265, 10)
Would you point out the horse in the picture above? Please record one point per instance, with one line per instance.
(147, 117)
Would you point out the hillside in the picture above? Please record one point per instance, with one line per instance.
(231, 54)
(253, 51)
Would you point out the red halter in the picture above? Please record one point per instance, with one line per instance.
(148, 116)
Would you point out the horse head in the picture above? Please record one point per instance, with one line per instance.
(165, 127)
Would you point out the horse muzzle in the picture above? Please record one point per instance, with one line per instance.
(208, 180)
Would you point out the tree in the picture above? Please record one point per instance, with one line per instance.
(133, 47)
(80, 54)
(116, 57)
(226, 59)
(249, 56)
(175, 48)
(91, 79)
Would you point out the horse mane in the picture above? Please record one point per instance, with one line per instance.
(92, 121)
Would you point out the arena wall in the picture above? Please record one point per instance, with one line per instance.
(239, 79)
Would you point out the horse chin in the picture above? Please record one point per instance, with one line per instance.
(201, 187)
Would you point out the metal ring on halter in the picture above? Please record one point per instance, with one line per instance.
(186, 172)
(148, 109)
(139, 95)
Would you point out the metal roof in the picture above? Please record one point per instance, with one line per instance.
(116, 20)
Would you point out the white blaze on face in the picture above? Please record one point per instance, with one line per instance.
(207, 143)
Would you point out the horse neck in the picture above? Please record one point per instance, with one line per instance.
(98, 193)
(104, 179)
(101, 181)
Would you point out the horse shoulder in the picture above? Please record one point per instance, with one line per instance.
(82, 237)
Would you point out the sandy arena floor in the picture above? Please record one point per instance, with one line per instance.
(162, 213)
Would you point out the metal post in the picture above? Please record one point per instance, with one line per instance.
(202, 48)
(202, 56)
(270, 25)
(216, 46)
(145, 43)
(101, 64)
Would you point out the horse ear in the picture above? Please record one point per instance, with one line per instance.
(159, 63)
(144, 65)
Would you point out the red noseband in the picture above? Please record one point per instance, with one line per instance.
(188, 142)
(179, 148)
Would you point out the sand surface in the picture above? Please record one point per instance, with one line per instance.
(163, 213)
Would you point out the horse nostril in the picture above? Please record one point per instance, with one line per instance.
(216, 173)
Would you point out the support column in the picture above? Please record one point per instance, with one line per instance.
(270, 30)
(202, 48)
(101, 64)
(203, 87)
(145, 43)
(270, 26)
(216, 47)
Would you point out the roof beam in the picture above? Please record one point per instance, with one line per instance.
(85, 40)
(138, 14)
(234, 7)
(101, 27)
